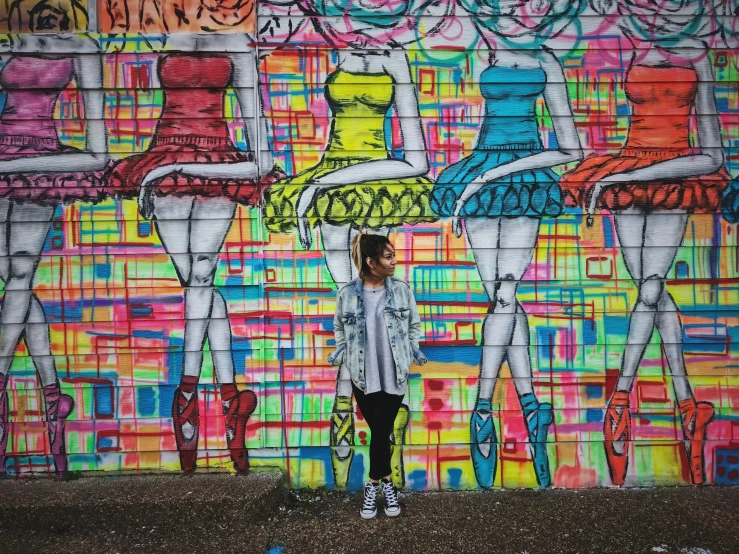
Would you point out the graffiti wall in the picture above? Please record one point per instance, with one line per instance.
(180, 182)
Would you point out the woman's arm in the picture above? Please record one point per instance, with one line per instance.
(249, 92)
(414, 162)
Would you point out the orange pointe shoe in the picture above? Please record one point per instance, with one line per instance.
(617, 429)
(695, 419)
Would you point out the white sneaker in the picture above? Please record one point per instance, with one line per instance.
(392, 508)
(369, 505)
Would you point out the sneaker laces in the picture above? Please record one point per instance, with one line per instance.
(390, 493)
(370, 497)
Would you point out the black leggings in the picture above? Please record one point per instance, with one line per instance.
(379, 410)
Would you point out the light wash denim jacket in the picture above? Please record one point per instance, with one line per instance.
(403, 327)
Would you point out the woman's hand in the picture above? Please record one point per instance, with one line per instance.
(146, 192)
(595, 193)
(304, 228)
(457, 219)
(459, 205)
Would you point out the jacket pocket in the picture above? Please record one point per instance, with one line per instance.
(349, 319)
(399, 313)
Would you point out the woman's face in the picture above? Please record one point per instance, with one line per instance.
(385, 266)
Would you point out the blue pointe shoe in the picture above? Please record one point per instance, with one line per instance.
(538, 422)
(483, 444)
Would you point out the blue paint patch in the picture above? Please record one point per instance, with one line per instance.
(590, 333)
(141, 310)
(417, 479)
(356, 473)
(275, 550)
(726, 468)
(104, 400)
(593, 391)
(103, 271)
(593, 415)
(148, 334)
(463, 354)
(146, 402)
(616, 325)
(608, 238)
(455, 477)
(144, 229)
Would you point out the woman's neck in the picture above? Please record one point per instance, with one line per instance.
(372, 281)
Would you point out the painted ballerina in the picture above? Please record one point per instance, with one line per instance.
(358, 184)
(189, 182)
(37, 174)
(652, 186)
(501, 192)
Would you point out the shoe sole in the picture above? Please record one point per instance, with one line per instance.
(392, 514)
(368, 516)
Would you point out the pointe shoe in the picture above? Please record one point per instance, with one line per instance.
(237, 410)
(397, 440)
(537, 423)
(186, 422)
(695, 419)
(617, 428)
(58, 408)
(483, 444)
(341, 440)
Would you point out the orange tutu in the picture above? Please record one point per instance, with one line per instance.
(695, 194)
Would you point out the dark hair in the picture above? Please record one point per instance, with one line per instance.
(366, 246)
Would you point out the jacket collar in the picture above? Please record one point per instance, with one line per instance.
(389, 284)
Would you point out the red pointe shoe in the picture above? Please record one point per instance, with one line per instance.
(58, 408)
(237, 407)
(617, 429)
(695, 419)
(186, 422)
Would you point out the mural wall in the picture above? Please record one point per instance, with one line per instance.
(180, 181)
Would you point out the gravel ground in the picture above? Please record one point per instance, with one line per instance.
(221, 513)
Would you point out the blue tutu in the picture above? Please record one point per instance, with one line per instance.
(528, 193)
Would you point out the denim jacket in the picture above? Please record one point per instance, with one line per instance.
(403, 327)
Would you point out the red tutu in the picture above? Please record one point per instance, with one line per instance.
(47, 188)
(126, 176)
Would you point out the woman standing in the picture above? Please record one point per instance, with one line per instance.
(190, 181)
(502, 191)
(358, 184)
(377, 328)
(37, 174)
(652, 186)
